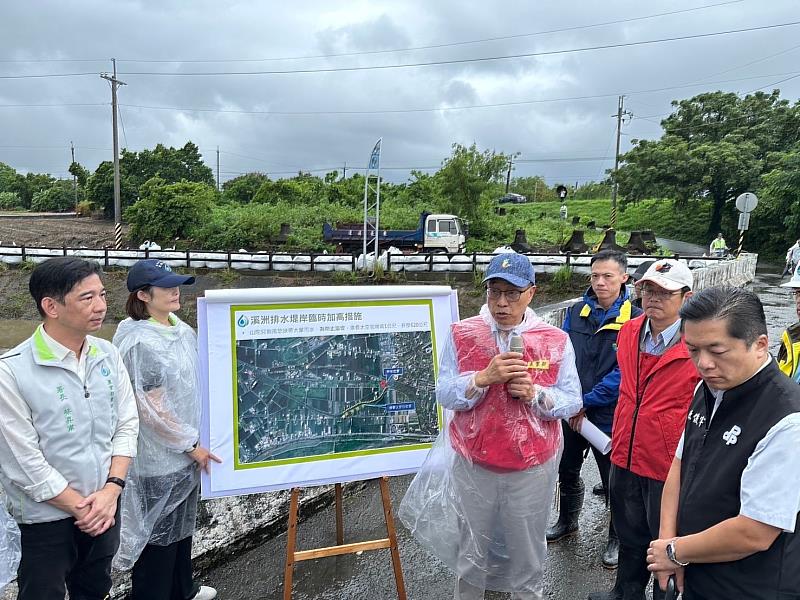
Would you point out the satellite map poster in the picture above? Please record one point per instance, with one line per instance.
(306, 386)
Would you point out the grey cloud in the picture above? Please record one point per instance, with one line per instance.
(203, 29)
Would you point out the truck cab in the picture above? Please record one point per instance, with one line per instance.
(444, 233)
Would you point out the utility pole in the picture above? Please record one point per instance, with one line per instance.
(115, 83)
(217, 169)
(74, 176)
(620, 114)
(508, 174)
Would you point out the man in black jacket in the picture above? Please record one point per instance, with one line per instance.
(731, 501)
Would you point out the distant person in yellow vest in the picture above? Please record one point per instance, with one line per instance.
(718, 246)
(789, 354)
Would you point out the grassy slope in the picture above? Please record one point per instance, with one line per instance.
(685, 224)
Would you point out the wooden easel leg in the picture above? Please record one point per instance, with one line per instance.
(291, 541)
(392, 534)
(339, 516)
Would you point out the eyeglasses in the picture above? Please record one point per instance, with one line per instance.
(648, 292)
(511, 295)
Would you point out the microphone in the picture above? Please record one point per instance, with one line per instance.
(516, 344)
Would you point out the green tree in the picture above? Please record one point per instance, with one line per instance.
(466, 175)
(8, 176)
(775, 223)
(78, 171)
(715, 145)
(535, 189)
(172, 165)
(242, 189)
(10, 201)
(60, 197)
(167, 211)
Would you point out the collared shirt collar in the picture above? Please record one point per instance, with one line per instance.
(50, 349)
(665, 336)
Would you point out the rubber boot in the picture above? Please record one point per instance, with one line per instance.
(611, 554)
(599, 489)
(567, 524)
(632, 577)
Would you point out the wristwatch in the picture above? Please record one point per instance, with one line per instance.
(671, 554)
(116, 481)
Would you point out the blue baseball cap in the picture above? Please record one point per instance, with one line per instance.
(514, 268)
(156, 273)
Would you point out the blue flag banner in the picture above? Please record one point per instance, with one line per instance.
(375, 157)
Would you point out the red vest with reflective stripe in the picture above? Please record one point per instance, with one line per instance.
(501, 433)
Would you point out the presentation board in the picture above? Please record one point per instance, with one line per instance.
(314, 385)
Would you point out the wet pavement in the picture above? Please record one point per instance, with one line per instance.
(572, 570)
(573, 567)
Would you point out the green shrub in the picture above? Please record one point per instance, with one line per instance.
(168, 211)
(60, 197)
(10, 201)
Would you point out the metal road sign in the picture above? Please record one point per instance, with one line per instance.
(744, 221)
(746, 202)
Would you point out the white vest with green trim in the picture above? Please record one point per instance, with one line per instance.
(75, 422)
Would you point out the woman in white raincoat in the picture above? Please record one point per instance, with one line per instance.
(159, 504)
(482, 499)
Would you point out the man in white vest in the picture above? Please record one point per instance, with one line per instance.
(68, 428)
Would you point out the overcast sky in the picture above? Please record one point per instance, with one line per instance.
(552, 106)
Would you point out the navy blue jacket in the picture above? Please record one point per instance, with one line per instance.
(593, 332)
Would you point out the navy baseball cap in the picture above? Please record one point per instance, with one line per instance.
(514, 268)
(156, 273)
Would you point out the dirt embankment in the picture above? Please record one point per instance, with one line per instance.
(55, 232)
(16, 303)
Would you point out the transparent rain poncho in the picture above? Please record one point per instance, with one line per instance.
(159, 503)
(10, 551)
(482, 499)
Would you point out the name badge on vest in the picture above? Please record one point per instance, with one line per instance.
(539, 365)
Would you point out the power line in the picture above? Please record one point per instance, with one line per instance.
(463, 60)
(421, 64)
(772, 85)
(46, 75)
(56, 105)
(438, 46)
(442, 108)
(373, 52)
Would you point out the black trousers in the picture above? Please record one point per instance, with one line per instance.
(636, 506)
(569, 469)
(164, 573)
(58, 557)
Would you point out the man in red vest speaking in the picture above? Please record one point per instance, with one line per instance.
(482, 500)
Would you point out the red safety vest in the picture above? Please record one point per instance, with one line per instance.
(502, 433)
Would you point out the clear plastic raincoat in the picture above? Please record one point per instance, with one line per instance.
(482, 498)
(159, 503)
(10, 551)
